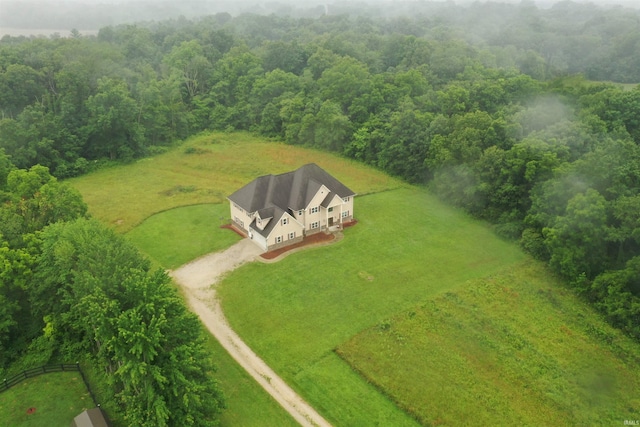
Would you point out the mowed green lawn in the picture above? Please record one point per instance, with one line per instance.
(516, 348)
(408, 254)
(158, 202)
(248, 405)
(177, 236)
(206, 169)
(57, 399)
(406, 248)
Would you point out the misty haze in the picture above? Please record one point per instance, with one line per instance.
(43, 17)
(397, 213)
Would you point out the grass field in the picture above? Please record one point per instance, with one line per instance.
(206, 169)
(313, 301)
(516, 348)
(159, 203)
(247, 404)
(342, 323)
(177, 236)
(57, 399)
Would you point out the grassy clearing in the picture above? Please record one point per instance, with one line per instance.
(57, 399)
(407, 247)
(206, 169)
(180, 235)
(516, 348)
(202, 172)
(408, 251)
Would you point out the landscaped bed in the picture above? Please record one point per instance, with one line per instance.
(313, 239)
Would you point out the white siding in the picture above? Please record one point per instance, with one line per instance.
(348, 206)
(240, 217)
(283, 230)
(320, 216)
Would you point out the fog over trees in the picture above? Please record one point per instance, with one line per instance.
(522, 115)
(94, 14)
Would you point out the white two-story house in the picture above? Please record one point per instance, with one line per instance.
(279, 210)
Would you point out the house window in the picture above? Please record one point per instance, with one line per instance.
(315, 209)
(259, 221)
(345, 214)
(345, 199)
(300, 213)
(315, 224)
(279, 239)
(285, 221)
(292, 235)
(330, 209)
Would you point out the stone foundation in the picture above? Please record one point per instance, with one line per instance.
(286, 243)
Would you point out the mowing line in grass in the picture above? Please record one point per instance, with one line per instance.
(406, 247)
(516, 348)
(206, 169)
(174, 237)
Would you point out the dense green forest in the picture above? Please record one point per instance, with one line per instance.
(71, 289)
(508, 111)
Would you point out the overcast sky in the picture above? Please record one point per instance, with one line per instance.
(633, 3)
(90, 15)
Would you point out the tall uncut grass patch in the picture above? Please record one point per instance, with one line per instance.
(171, 206)
(206, 169)
(515, 348)
(406, 247)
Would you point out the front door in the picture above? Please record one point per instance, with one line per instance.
(330, 221)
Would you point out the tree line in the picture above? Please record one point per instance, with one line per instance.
(71, 289)
(496, 122)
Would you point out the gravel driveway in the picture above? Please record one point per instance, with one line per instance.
(197, 278)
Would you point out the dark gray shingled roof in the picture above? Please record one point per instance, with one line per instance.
(275, 217)
(292, 190)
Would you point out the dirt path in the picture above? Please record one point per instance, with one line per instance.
(197, 278)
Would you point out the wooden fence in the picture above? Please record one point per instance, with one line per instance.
(7, 383)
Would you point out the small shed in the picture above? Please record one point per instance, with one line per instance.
(90, 418)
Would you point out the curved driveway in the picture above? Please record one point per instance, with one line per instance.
(197, 278)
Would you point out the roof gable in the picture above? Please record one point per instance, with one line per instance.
(277, 215)
(331, 199)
